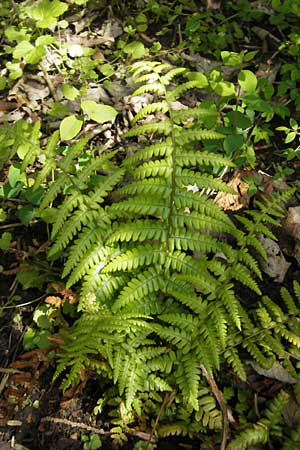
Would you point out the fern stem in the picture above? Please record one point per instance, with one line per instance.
(220, 399)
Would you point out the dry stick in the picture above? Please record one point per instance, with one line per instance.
(49, 82)
(220, 399)
(81, 425)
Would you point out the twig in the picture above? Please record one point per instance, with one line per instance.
(220, 399)
(48, 81)
(70, 423)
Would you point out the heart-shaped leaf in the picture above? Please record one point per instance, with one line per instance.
(69, 127)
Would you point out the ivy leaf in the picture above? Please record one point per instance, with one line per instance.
(98, 112)
(69, 127)
(247, 80)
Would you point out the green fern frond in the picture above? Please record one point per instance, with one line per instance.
(140, 230)
(161, 107)
(145, 283)
(197, 112)
(140, 256)
(185, 136)
(152, 186)
(164, 128)
(154, 150)
(185, 157)
(158, 261)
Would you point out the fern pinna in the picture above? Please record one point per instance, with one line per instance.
(157, 273)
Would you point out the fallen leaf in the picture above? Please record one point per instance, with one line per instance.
(276, 265)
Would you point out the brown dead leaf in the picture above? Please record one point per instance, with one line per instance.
(232, 202)
(55, 301)
(240, 200)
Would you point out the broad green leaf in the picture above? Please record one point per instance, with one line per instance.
(5, 241)
(22, 50)
(70, 92)
(47, 11)
(135, 49)
(224, 88)
(28, 52)
(239, 120)
(98, 112)
(15, 70)
(201, 79)
(13, 175)
(44, 40)
(13, 34)
(247, 80)
(232, 59)
(254, 102)
(69, 127)
(290, 137)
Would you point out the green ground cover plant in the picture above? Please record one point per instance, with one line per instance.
(172, 312)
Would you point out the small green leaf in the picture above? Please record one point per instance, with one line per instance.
(44, 40)
(294, 124)
(224, 88)
(26, 213)
(98, 112)
(28, 52)
(47, 11)
(70, 127)
(5, 241)
(70, 92)
(135, 49)
(58, 110)
(247, 80)
(3, 82)
(232, 59)
(15, 70)
(3, 215)
(107, 70)
(13, 175)
(202, 81)
(290, 137)
(34, 196)
(232, 143)
(239, 120)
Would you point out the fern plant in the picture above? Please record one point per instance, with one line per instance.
(157, 273)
